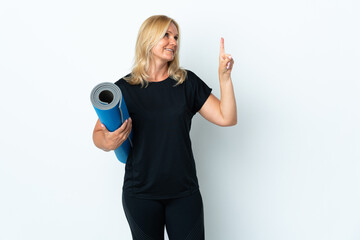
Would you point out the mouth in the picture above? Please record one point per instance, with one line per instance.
(170, 50)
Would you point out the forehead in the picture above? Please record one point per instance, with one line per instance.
(172, 29)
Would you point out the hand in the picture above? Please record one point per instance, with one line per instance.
(114, 139)
(226, 62)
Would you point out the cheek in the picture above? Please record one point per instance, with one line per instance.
(155, 49)
(158, 47)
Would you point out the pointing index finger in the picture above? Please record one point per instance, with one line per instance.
(222, 49)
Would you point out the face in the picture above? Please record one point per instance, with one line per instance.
(166, 48)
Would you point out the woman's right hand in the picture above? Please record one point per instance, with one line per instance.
(106, 140)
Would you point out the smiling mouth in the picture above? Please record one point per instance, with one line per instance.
(170, 50)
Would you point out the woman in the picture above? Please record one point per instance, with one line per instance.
(160, 185)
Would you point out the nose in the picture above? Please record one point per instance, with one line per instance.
(173, 41)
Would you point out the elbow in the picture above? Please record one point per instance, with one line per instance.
(100, 143)
(99, 146)
(233, 123)
(234, 120)
(230, 123)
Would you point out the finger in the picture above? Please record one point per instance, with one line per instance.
(225, 59)
(104, 128)
(128, 131)
(230, 66)
(128, 127)
(222, 48)
(122, 127)
(229, 63)
(125, 134)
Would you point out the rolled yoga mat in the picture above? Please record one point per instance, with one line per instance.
(110, 107)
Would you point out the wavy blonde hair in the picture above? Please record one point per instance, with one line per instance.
(150, 33)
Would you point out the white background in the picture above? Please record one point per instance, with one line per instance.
(288, 170)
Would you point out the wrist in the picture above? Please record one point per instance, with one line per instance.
(226, 78)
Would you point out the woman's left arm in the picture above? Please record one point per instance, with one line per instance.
(222, 112)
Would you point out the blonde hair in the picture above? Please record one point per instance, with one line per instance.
(150, 33)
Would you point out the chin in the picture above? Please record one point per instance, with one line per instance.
(169, 59)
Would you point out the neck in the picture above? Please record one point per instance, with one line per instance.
(158, 72)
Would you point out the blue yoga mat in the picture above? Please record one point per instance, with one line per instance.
(111, 109)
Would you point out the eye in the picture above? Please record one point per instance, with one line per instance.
(166, 35)
(176, 38)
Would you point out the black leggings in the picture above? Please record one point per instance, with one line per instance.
(183, 217)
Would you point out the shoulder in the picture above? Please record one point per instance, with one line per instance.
(191, 78)
(122, 81)
(190, 75)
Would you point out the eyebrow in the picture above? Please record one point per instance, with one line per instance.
(172, 33)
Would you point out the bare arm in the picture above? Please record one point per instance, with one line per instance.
(222, 112)
(106, 140)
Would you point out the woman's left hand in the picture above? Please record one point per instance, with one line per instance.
(226, 62)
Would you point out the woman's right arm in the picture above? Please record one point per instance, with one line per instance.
(106, 140)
